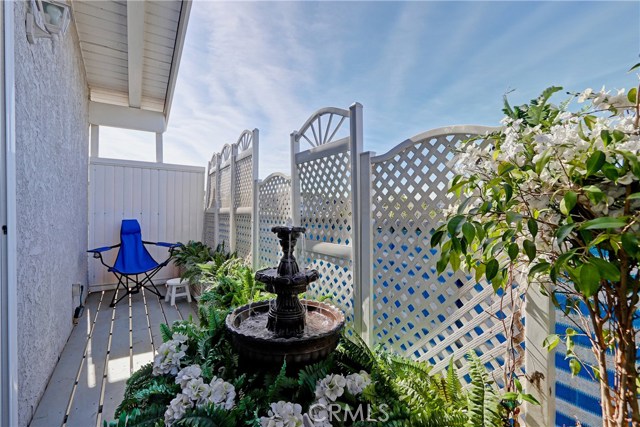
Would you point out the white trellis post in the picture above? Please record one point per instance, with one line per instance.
(355, 148)
(539, 363)
(216, 200)
(232, 198)
(295, 180)
(364, 289)
(255, 187)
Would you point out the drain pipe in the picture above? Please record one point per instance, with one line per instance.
(8, 262)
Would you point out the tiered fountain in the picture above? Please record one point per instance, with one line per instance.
(300, 331)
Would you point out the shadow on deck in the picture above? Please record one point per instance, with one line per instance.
(103, 350)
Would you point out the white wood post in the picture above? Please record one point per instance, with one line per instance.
(295, 181)
(255, 212)
(216, 202)
(365, 285)
(159, 147)
(539, 363)
(355, 148)
(232, 196)
(95, 141)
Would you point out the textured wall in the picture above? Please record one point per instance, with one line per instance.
(52, 154)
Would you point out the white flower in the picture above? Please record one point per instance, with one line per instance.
(356, 383)
(187, 374)
(331, 387)
(196, 389)
(283, 414)
(176, 409)
(170, 353)
(221, 393)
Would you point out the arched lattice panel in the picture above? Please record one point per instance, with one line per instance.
(324, 192)
(244, 171)
(225, 177)
(274, 206)
(417, 312)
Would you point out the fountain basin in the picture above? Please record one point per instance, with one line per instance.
(255, 344)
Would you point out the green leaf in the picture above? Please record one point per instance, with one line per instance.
(607, 270)
(606, 137)
(551, 342)
(630, 244)
(480, 269)
(513, 217)
(568, 202)
(634, 196)
(595, 162)
(632, 95)
(539, 268)
(603, 223)
(618, 135)
(575, 367)
(505, 167)
(455, 224)
(513, 251)
(436, 238)
(634, 67)
(590, 121)
(529, 249)
(508, 191)
(589, 280)
(492, 269)
(564, 231)
(468, 231)
(529, 398)
(610, 171)
(532, 224)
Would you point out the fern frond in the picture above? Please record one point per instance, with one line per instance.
(484, 403)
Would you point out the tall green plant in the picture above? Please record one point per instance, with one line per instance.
(556, 196)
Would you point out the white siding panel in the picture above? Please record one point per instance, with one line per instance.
(166, 199)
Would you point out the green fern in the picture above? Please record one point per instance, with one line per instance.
(165, 332)
(484, 402)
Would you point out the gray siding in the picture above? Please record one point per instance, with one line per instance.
(52, 136)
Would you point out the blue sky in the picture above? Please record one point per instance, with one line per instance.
(413, 65)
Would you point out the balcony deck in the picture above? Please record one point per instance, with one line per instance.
(106, 346)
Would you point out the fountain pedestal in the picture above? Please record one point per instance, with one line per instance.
(300, 332)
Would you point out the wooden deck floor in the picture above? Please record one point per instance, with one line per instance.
(106, 346)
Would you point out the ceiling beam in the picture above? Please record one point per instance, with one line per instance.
(181, 34)
(126, 117)
(135, 54)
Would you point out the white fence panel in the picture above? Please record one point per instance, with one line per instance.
(166, 199)
(230, 217)
(323, 183)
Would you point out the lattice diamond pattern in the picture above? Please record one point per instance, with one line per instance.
(335, 282)
(244, 182)
(416, 311)
(274, 201)
(209, 228)
(223, 230)
(325, 189)
(243, 236)
(225, 187)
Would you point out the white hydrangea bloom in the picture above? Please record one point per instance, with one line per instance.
(331, 387)
(176, 409)
(220, 393)
(196, 389)
(187, 374)
(356, 383)
(170, 353)
(283, 414)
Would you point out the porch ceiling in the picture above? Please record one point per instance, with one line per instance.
(131, 52)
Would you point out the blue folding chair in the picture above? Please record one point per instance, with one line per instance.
(133, 260)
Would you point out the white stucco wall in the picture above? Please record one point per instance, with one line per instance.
(52, 135)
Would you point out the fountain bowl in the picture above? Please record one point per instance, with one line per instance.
(259, 349)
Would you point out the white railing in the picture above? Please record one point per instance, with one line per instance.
(166, 199)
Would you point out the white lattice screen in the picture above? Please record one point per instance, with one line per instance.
(274, 206)
(415, 311)
(231, 209)
(322, 186)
